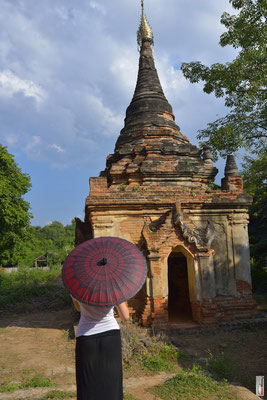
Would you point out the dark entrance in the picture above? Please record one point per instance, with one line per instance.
(179, 307)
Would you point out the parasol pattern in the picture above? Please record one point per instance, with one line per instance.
(105, 271)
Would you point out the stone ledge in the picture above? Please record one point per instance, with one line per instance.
(249, 323)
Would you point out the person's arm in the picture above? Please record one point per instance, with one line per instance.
(76, 304)
(123, 311)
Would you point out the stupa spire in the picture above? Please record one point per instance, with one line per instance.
(150, 147)
(145, 30)
(149, 105)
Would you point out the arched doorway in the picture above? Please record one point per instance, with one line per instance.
(179, 306)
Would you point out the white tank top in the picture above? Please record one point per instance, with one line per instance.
(95, 320)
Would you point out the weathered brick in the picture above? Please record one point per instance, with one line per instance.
(155, 193)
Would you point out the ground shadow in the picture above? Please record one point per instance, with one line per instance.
(60, 319)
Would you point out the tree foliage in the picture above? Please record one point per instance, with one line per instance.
(52, 243)
(255, 182)
(14, 210)
(241, 82)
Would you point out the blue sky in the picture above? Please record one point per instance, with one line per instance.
(68, 72)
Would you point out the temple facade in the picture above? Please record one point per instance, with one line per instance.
(157, 192)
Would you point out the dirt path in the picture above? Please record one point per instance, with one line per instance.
(37, 344)
(139, 392)
(40, 344)
(137, 386)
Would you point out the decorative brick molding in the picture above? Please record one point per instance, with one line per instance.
(156, 191)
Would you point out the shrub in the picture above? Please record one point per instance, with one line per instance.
(149, 351)
(189, 384)
(220, 366)
(28, 290)
(259, 279)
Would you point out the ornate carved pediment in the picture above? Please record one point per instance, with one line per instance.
(157, 232)
(201, 237)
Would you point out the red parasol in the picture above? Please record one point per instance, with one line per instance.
(105, 271)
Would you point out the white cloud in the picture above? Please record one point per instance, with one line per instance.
(80, 70)
(34, 146)
(124, 68)
(65, 14)
(11, 84)
(172, 80)
(110, 121)
(68, 71)
(95, 5)
(11, 139)
(56, 147)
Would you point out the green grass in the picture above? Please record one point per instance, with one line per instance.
(28, 290)
(156, 363)
(191, 385)
(129, 397)
(185, 357)
(58, 394)
(221, 367)
(162, 359)
(34, 382)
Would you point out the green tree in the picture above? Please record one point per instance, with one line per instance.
(52, 242)
(59, 240)
(14, 210)
(255, 182)
(241, 82)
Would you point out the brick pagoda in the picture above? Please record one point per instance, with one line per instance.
(156, 193)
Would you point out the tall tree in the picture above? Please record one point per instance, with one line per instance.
(14, 210)
(255, 182)
(241, 82)
(52, 243)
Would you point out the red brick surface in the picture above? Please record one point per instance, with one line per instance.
(154, 185)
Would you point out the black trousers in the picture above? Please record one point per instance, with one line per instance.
(99, 366)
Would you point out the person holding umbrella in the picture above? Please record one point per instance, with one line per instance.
(100, 274)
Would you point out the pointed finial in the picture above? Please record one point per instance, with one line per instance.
(231, 167)
(144, 31)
